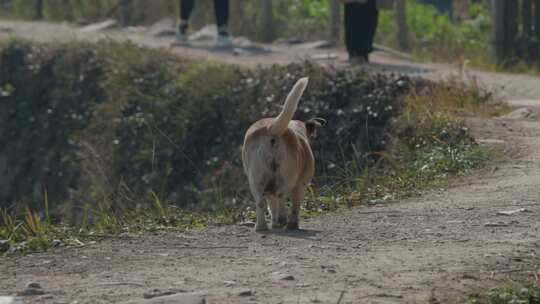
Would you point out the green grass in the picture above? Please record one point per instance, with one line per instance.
(509, 293)
(28, 232)
(434, 37)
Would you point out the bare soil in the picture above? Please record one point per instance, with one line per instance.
(437, 248)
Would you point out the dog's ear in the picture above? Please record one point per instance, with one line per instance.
(313, 124)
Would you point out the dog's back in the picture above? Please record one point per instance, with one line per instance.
(277, 163)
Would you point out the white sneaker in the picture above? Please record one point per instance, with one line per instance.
(181, 39)
(224, 41)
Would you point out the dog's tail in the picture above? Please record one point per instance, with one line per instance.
(281, 122)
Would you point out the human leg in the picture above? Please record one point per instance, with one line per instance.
(221, 8)
(360, 26)
(186, 7)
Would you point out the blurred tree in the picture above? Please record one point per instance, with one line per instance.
(335, 21)
(505, 28)
(403, 33)
(267, 21)
(125, 12)
(537, 20)
(39, 9)
(526, 16)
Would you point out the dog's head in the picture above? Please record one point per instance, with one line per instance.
(313, 124)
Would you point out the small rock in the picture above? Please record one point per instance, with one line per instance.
(229, 283)
(321, 44)
(329, 269)
(512, 212)
(326, 56)
(207, 33)
(29, 291)
(100, 26)
(240, 52)
(490, 141)
(163, 28)
(521, 113)
(287, 277)
(467, 276)
(34, 285)
(4, 29)
(10, 300)
(278, 276)
(401, 83)
(291, 41)
(375, 202)
(160, 293)
(184, 298)
(524, 102)
(517, 259)
(247, 224)
(243, 42)
(497, 224)
(244, 293)
(135, 29)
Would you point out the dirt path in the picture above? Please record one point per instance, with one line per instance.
(432, 249)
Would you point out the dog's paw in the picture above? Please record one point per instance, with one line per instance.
(293, 226)
(279, 223)
(261, 227)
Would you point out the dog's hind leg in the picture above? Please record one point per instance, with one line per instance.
(296, 199)
(279, 213)
(260, 207)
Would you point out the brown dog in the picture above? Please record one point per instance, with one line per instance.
(279, 163)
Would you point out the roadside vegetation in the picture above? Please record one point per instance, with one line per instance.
(109, 138)
(509, 293)
(434, 36)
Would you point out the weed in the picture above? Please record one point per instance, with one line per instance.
(509, 293)
(163, 211)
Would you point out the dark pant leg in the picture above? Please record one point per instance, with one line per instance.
(221, 8)
(186, 7)
(373, 21)
(350, 34)
(360, 26)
